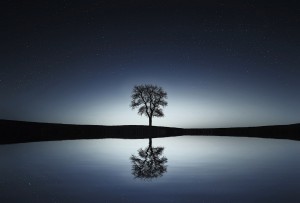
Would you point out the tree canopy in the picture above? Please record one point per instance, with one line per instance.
(150, 162)
(150, 99)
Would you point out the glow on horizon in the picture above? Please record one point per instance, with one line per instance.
(186, 109)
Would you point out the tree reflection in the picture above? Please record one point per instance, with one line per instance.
(149, 163)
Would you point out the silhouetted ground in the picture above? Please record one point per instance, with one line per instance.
(20, 131)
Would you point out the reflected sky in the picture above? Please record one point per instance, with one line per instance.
(200, 168)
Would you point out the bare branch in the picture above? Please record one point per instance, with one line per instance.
(151, 98)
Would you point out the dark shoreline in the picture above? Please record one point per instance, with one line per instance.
(22, 131)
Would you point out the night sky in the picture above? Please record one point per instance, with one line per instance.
(222, 64)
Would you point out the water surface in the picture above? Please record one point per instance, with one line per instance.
(179, 169)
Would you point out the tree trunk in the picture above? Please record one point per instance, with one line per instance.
(150, 142)
(150, 121)
(150, 147)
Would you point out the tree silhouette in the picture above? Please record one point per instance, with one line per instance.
(149, 164)
(150, 98)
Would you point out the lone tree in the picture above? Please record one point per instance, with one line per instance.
(149, 99)
(150, 162)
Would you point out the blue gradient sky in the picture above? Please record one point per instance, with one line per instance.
(222, 64)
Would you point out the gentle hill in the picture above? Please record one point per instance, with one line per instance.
(22, 131)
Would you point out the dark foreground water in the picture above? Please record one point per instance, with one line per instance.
(175, 169)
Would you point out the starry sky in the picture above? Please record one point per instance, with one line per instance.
(222, 63)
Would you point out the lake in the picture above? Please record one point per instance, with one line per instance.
(173, 169)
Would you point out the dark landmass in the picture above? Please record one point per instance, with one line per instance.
(21, 131)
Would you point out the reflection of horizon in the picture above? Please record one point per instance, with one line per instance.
(149, 163)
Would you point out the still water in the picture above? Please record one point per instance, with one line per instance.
(174, 169)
